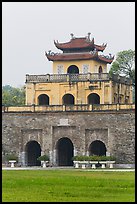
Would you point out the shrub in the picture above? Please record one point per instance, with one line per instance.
(111, 158)
(80, 158)
(11, 157)
(93, 158)
(43, 158)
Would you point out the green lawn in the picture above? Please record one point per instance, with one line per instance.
(67, 185)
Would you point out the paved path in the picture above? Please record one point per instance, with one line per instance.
(63, 168)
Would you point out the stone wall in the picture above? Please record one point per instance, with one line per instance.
(115, 129)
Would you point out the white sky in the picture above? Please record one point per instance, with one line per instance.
(29, 29)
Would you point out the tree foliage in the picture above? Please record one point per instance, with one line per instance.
(12, 96)
(124, 64)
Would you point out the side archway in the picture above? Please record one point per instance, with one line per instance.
(68, 99)
(65, 151)
(73, 69)
(93, 98)
(43, 99)
(97, 147)
(33, 151)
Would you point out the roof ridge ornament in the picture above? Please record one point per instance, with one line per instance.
(89, 35)
(72, 36)
(104, 44)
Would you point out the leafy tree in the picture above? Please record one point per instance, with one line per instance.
(12, 96)
(124, 64)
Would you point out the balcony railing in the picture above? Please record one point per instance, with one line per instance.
(66, 77)
(69, 108)
(47, 78)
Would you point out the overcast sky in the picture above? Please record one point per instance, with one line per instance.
(29, 29)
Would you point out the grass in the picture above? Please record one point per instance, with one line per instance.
(67, 186)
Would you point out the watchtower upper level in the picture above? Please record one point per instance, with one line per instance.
(80, 76)
(80, 55)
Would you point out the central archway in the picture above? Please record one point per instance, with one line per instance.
(93, 98)
(68, 99)
(65, 152)
(33, 151)
(73, 69)
(97, 147)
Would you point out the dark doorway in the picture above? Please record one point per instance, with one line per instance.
(65, 152)
(68, 99)
(43, 99)
(97, 148)
(73, 69)
(33, 151)
(93, 99)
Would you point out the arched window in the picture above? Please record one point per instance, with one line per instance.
(100, 70)
(97, 147)
(68, 99)
(43, 99)
(93, 98)
(73, 69)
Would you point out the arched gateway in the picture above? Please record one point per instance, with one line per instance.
(33, 151)
(97, 147)
(64, 152)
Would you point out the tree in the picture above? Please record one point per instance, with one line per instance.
(12, 96)
(124, 64)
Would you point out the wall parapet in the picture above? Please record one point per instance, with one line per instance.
(65, 108)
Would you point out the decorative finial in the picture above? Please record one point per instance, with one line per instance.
(89, 35)
(72, 35)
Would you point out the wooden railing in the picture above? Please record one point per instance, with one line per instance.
(69, 108)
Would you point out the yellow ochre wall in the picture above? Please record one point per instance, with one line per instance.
(93, 65)
(56, 91)
(79, 90)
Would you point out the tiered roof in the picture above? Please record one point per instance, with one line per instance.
(79, 56)
(79, 49)
(79, 44)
